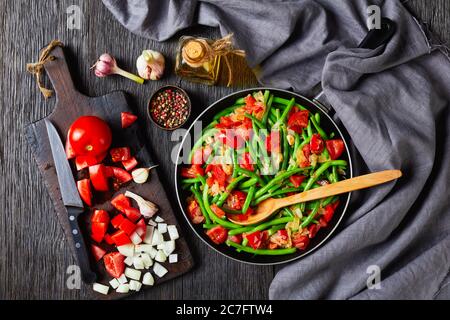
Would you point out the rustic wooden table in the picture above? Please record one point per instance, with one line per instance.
(33, 253)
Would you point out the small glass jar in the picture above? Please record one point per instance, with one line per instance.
(195, 61)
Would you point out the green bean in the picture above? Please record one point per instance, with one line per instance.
(240, 101)
(286, 111)
(209, 225)
(285, 149)
(263, 226)
(190, 181)
(251, 174)
(313, 178)
(329, 200)
(256, 121)
(212, 215)
(267, 111)
(309, 129)
(289, 211)
(248, 183)
(271, 252)
(235, 164)
(274, 229)
(319, 129)
(200, 141)
(249, 199)
(198, 197)
(244, 243)
(215, 198)
(229, 188)
(261, 199)
(311, 216)
(277, 179)
(231, 211)
(317, 118)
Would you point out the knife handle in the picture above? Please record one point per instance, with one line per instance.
(87, 274)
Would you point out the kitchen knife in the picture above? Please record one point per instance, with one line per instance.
(71, 200)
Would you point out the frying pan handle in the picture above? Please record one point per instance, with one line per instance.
(373, 39)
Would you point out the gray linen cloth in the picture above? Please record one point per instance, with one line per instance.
(394, 103)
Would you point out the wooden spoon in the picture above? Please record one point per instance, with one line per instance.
(269, 206)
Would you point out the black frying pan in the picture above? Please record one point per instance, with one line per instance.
(374, 38)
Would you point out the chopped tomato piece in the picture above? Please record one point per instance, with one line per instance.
(195, 213)
(296, 180)
(108, 239)
(329, 211)
(120, 238)
(98, 231)
(127, 119)
(236, 199)
(255, 239)
(82, 162)
(300, 241)
(141, 228)
(217, 234)
(298, 120)
(335, 148)
(70, 153)
(100, 216)
(231, 138)
(273, 142)
(84, 188)
(120, 154)
(97, 252)
(127, 226)
(217, 210)
(201, 155)
(130, 164)
(121, 175)
(192, 171)
(316, 144)
(117, 220)
(99, 177)
(246, 162)
(132, 214)
(114, 264)
(249, 100)
(312, 230)
(236, 238)
(120, 202)
(303, 156)
(217, 174)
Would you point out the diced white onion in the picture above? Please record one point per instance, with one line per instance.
(123, 288)
(149, 234)
(148, 262)
(135, 285)
(148, 279)
(157, 237)
(169, 247)
(152, 223)
(128, 261)
(138, 263)
(162, 227)
(173, 258)
(122, 279)
(114, 283)
(153, 252)
(135, 238)
(160, 256)
(127, 249)
(101, 288)
(159, 219)
(159, 270)
(132, 273)
(173, 232)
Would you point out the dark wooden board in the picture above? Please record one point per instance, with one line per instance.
(70, 104)
(34, 254)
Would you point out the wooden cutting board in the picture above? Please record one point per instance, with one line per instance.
(71, 104)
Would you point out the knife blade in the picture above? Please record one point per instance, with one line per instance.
(71, 200)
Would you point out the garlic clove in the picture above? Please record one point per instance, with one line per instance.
(140, 175)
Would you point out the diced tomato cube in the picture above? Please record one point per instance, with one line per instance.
(117, 220)
(84, 188)
(217, 234)
(121, 175)
(127, 226)
(100, 216)
(127, 119)
(130, 164)
(120, 202)
(114, 264)
(108, 239)
(132, 214)
(120, 238)
(97, 252)
(99, 177)
(120, 154)
(82, 162)
(98, 230)
(141, 228)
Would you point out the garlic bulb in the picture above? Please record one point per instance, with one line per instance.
(150, 65)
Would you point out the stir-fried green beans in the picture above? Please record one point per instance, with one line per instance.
(252, 170)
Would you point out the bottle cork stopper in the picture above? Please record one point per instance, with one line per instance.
(194, 50)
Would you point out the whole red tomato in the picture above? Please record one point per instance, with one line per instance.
(89, 135)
